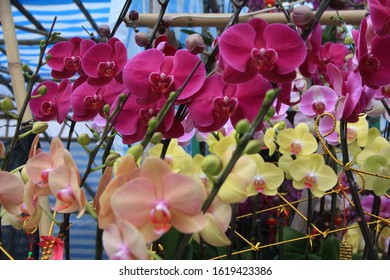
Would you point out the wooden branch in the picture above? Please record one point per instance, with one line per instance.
(14, 65)
(87, 15)
(28, 15)
(352, 17)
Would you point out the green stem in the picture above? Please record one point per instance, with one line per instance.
(164, 6)
(320, 11)
(91, 212)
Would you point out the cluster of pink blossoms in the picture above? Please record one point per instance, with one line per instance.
(253, 58)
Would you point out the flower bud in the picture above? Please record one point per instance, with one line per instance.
(152, 123)
(39, 127)
(48, 57)
(270, 113)
(23, 175)
(253, 147)
(104, 31)
(106, 109)
(112, 157)
(26, 68)
(141, 39)
(166, 22)
(243, 126)
(338, 4)
(133, 15)
(348, 40)
(42, 90)
(7, 104)
(302, 16)
(136, 150)
(195, 43)
(211, 165)
(270, 94)
(2, 149)
(156, 139)
(84, 139)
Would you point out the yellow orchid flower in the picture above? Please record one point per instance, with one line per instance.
(235, 187)
(356, 131)
(267, 179)
(374, 146)
(311, 172)
(297, 141)
(176, 157)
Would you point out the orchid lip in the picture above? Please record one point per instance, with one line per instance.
(264, 59)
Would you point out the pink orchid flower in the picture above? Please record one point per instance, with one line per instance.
(88, 101)
(372, 58)
(380, 16)
(64, 183)
(272, 50)
(158, 200)
(161, 44)
(122, 241)
(132, 122)
(150, 75)
(66, 57)
(55, 104)
(218, 101)
(11, 192)
(317, 100)
(104, 62)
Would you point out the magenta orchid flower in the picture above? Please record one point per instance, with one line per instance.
(104, 62)
(158, 200)
(65, 57)
(11, 192)
(372, 58)
(132, 122)
(88, 101)
(272, 50)
(151, 75)
(54, 104)
(161, 43)
(218, 101)
(317, 100)
(380, 16)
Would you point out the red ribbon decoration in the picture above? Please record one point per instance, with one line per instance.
(58, 246)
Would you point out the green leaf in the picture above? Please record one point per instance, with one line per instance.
(329, 34)
(330, 249)
(298, 246)
(170, 242)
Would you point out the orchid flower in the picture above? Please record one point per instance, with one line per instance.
(317, 100)
(158, 200)
(310, 172)
(122, 241)
(11, 192)
(53, 104)
(297, 141)
(256, 47)
(380, 16)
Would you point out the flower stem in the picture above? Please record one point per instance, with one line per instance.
(321, 9)
(164, 6)
(355, 196)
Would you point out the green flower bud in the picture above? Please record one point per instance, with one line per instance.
(253, 147)
(270, 94)
(211, 165)
(39, 127)
(23, 175)
(243, 126)
(84, 139)
(152, 123)
(42, 90)
(348, 56)
(26, 68)
(112, 157)
(7, 104)
(106, 109)
(136, 150)
(48, 56)
(280, 125)
(348, 40)
(156, 139)
(270, 113)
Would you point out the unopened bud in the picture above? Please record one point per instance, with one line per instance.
(270, 94)
(211, 165)
(2, 149)
(253, 147)
(280, 125)
(7, 104)
(24, 175)
(156, 139)
(48, 56)
(166, 22)
(112, 157)
(152, 123)
(106, 109)
(242, 126)
(84, 139)
(104, 31)
(141, 39)
(338, 4)
(136, 150)
(42, 90)
(26, 68)
(270, 113)
(302, 16)
(133, 15)
(39, 127)
(348, 40)
(195, 43)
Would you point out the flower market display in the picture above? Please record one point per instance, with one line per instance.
(263, 140)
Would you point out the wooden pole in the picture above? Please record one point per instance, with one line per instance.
(352, 17)
(12, 49)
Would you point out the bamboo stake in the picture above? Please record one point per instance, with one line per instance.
(352, 17)
(14, 65)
